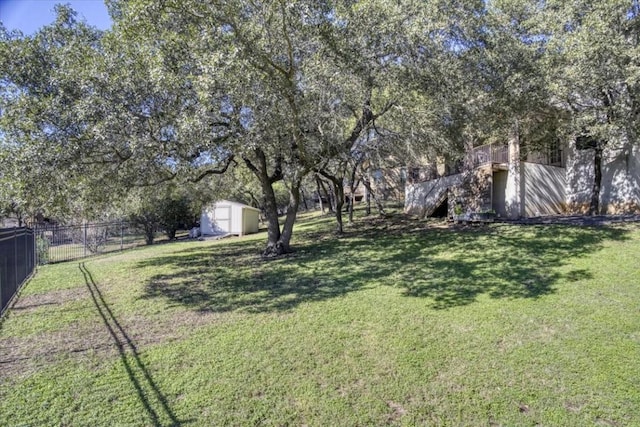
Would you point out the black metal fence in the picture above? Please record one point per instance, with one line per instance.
(55, 243)
(17, 261)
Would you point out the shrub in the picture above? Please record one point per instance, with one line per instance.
(167, 213)
(42, 250)
(175, 214)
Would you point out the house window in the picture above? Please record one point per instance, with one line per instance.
(586, 142)
(403, 176)
(555, 154)
(377, 176)
(415, 174)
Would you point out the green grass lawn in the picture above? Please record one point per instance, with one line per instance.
(397, 322)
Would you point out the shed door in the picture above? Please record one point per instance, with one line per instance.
(223, 218)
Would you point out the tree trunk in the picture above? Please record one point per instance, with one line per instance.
(367, 185)
(281, 244)
(149, 235)
(352, 200)
(327, 196)
(320, 201)
(290, 219)
(260, 170)
(331, 194)
(352, 190)
(273, 223)
(350, 209)
(368, 205)
(594, 207)
(304, 200)
(319, 194)
(171, 233)
(339, 191)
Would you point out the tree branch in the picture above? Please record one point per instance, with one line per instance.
(208, 172)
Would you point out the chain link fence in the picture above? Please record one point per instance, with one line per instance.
(17, 261)
(57, 243)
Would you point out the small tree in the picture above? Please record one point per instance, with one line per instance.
(173, 214)
(147, 221)
(166, 209)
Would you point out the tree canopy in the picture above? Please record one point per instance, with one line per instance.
(187, 90)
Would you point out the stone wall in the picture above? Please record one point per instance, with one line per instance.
(474, 192)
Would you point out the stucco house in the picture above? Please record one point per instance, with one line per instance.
(560, 181)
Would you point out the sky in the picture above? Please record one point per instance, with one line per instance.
(29, 15)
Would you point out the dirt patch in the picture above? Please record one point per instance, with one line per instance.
(29, 303)
(397, 411)
(97, 340)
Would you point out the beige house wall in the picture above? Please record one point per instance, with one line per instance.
(389, 183)
(533, 189)
(620, 190)
(543, 189)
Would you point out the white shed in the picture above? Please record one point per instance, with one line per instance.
(224, 217)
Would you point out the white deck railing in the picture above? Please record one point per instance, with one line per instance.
(490, 153)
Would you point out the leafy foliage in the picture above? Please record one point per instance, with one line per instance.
(168, 210)
(187, 90)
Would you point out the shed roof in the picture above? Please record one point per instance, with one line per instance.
(237, 204)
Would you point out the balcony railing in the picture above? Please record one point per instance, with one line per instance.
(490, 153)
(552, 157)
(499, 153)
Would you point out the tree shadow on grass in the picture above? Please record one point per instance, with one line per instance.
(449, 267)
(153, 400)
(233, 277)
(454, 267)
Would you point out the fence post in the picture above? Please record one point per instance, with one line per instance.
(26, 252)
(84, 240)
(121, 236)
(15, 255)
(35, 250)
(27, 270)
(1, 307)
